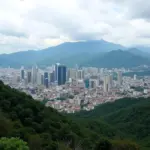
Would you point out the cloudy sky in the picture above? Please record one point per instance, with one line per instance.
(37, 24)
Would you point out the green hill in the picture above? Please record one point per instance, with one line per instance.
(45, 129)
(129, 116)
(134, 121)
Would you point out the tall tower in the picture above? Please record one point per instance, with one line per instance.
(46, 81)
(109, 81)
(80, 74)
(39, 78)
(29, 76)
(34, 74)
(22, 72)
(62, 70)
(56, 71)
(105, 83)
(119, 78)
(92, 83)
(72, 73)
(52, 77)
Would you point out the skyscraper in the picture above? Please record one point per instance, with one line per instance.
(42, 79)
(62, 70)
(119, 78)
(108, 82)
(93, 83)
(34, 74)
(29, 76)
(105, 84)
(56, 71)
(52, 77)
(22, 73)
(39, 78)
(72, 73)
(80, 74)
(86, 82)
(46, 83)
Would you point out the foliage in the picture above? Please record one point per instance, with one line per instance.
(44, 128)
(13, 144)
(130, 116)
(107, 108)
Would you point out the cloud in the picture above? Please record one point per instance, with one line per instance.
(8, 29)
(36, 24)
(134, 9)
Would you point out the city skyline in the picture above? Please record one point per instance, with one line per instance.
(75, 89)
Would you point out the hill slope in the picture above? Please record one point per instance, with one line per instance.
(131, 116)
(46, 129)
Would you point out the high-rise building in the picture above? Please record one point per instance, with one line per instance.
(56, 71)
(80, 74)
(52, 77)
(62, 70)
(119, 78)
(108, 83)
(29, 76)
(42, 79)
(86, 82)
(39, 78)
(92, 83)
(22, 73)
(105, 84)
(34, 74)
(72, 73)
(46, 83)
(135, 76)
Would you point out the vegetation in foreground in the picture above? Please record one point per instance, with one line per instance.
(45, 129)
(129, 116)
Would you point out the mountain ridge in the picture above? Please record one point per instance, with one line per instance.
(97, 53)
(119, 59)
(61, 52)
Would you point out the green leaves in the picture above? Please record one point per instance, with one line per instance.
(46, 129)
(13, 144)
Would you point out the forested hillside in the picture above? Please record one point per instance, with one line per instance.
(46, 129)
(130, 116)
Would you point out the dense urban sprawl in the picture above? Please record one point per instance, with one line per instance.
(74, 89)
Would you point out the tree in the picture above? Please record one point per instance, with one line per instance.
(12, 144)
(35, 142)
(103, 145)
(5, 125)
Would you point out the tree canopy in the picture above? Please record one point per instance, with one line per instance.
(43, 128)
(13, 144)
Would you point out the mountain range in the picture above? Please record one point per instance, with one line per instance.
(87, 53)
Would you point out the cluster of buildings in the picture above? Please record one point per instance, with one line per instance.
(36, 76)
(74, 89)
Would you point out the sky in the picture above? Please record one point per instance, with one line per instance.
(38, 24)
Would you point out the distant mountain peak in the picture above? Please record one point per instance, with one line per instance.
(69, 53)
